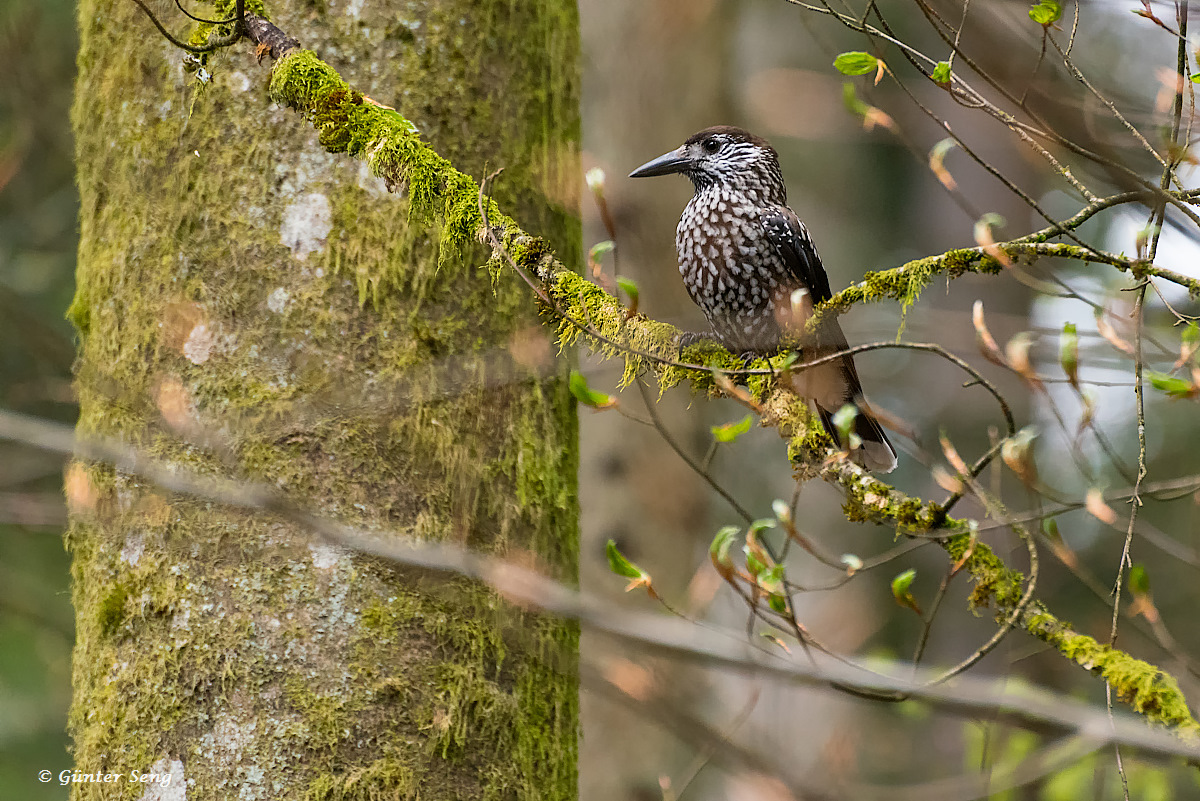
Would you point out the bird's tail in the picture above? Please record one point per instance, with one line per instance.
(875, 453)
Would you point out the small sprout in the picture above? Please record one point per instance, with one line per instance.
(1109, 333)
(1058, 544)
(983, 337)
(1189, 341)
(1098, 508)
(944, 479)
(1050, 529)
(1173, 386)
(766, 635)
(1148, 13)
(1068, 353)
(855, 63)
(941, 74)
(597, 252)
(757, 558)
(1088, 413)
(718, 552)
(1047, 12)
(901, 585)
(843, 421)
(588, 396)
(1017, 453)
(952, 455)
(1016, 353)
(761, 524)
(853, 563)
(595, 180)
(630, 288)
(770, 581)
(985, 239)
(871, 116)
(783, 512)
(1139, 580)
(1139, 585)
(726, 385)
(937, 161)
(618, 564)
(729, 432)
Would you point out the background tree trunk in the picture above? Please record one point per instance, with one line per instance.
(251, 306)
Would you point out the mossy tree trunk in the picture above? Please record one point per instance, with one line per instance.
(251, 306)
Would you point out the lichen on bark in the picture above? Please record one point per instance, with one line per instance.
(251, 305)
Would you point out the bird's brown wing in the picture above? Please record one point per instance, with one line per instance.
(836, 384)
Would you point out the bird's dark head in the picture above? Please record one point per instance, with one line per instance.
(723, 156)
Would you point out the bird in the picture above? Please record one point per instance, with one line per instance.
(751, 266)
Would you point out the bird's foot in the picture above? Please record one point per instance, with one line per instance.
(686, 338)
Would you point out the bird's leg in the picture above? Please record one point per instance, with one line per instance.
(686, 338)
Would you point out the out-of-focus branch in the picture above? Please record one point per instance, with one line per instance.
(653, 632)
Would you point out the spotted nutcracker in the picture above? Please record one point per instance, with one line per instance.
(743, 254)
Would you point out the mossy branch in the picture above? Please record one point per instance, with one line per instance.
(350, 123)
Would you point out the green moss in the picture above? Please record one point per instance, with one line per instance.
(111, 612)
(327, 718)
(1145, 688)
(387, 777)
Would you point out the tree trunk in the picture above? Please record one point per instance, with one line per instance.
(251, 306)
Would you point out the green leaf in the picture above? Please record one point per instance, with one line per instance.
(900, 590)
(902, 583)
(1139, 580)
(1068, 353)
(1050, 529)
(1196, 77)
(1173, 386)
(729, 432)
(600, 250)
(629, 287)
(761, 524)
(586, 395)
(719, 550)
(855, 63)
(1047, 12)
(941, 73)
(753, 563)
(618, 564)
(771, 583)
(771, 580)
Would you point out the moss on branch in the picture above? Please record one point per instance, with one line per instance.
(352, 124)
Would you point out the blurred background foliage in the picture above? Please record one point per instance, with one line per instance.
(38, 211)
(655, 71)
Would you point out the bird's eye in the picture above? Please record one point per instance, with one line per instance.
(711, 145)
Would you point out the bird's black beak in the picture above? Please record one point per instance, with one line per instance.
(666, 164)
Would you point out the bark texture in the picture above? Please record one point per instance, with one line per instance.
(251, 305)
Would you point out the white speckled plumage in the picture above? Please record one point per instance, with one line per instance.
(743, 252)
